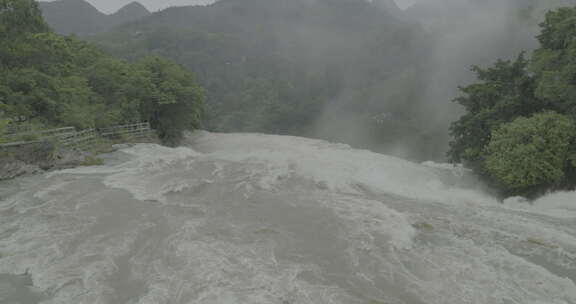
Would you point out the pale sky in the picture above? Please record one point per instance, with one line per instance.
(111, 6)
(405, 3)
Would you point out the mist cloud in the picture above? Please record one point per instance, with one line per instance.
(404, 4)
(459, 34)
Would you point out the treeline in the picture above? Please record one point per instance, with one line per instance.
(519, 130)
(55, 81)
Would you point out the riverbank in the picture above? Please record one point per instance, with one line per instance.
(37, 157)
(43, 156)
(32, 151)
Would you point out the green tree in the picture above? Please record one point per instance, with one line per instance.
(554, 63)
(175, 100)
(531, 155)
(504, 92)
(62, 81)
(511, 133)
(20, 16)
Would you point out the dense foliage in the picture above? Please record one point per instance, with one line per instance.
(530, 155)
(505, 91)
(54, 80)
(508, 133)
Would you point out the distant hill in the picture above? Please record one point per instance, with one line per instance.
(322, 68)
(128, 13)
(81, 18)
(362, 72)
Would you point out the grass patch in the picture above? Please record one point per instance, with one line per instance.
(423, 226)
(92, 161)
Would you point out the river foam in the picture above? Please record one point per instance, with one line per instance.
(251, 218)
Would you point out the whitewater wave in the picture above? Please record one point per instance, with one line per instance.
(251, 218)
(269, 160)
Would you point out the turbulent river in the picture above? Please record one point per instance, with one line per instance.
(249, 218)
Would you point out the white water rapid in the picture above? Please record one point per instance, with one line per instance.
(260, 219)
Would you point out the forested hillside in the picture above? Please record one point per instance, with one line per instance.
(52, 80)
(346, 70)
(81, 18)
(354, 71)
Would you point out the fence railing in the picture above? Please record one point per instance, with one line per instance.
(137, 130)
(18, 128)
(83, 139)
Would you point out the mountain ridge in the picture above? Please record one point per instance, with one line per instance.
(82, 18)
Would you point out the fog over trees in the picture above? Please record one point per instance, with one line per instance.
(365, 73)
(288, 152)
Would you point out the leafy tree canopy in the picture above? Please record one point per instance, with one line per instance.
(57, 80)
(529, 155)
(512, 132)
(504, 92)
(17, 17)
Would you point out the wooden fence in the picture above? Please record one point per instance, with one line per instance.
(84, 139)
(81, 140)
(29, 132)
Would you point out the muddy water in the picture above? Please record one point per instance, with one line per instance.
(249, 218)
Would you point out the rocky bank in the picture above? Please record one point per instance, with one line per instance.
(37, 157)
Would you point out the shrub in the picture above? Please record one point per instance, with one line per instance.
(530, 155)
(92, 161)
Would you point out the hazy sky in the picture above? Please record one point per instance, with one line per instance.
(110, 6)
(405, 3)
